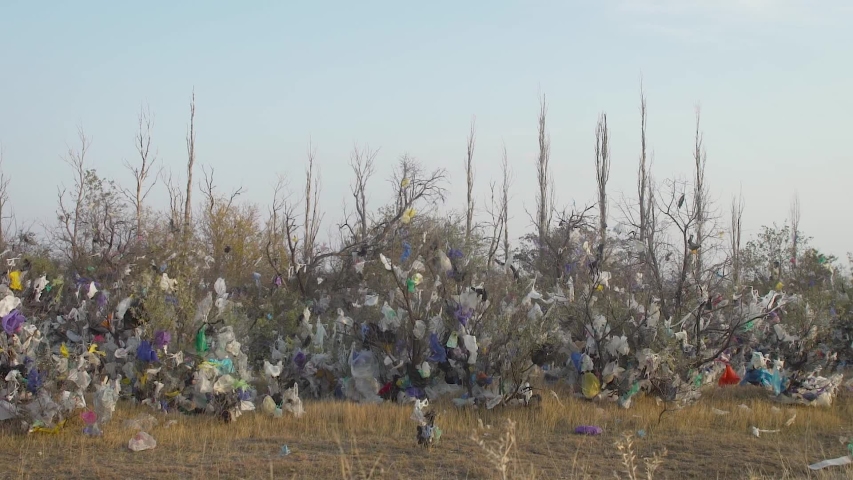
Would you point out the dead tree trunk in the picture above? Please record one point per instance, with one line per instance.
(4, 199)
(469, 177)
(542, 170)
(602, 175)
(190, 163)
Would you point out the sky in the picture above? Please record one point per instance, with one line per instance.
(772, 79)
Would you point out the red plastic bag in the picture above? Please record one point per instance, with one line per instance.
(729, 377)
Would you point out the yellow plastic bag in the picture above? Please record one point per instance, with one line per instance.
(15, 280)
(590, 385)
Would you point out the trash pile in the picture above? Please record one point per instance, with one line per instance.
(416, 323)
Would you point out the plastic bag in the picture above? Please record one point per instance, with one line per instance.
(203, 308)
(588, 430)
(419, 330)
(618, 345)
(729, 377)
(219, 287)
(319, 335)
(105, 402)
(453, 341)
(142, 422)
(587, 364)
(364, 365)
(835, 462)
(15, 280)
(9, 303)
(759, 377)
(590, 385)
(201, 341)
(168, 284)
(141, 441)
(290, 401)
(418, 413)
(224, 384)
(625, 400)
(271, 370)
(470, 342)
(439, 354)
(268, 406)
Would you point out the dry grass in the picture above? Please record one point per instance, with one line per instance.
(345, 440)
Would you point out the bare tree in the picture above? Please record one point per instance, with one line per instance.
(311, 226)
(302, 254)
(412, 183)
(362, 164)
(795, 229)
(141, 173)
(69, 215)
(208, 189)
(469, 176)
(275, 247)
(176, 202)
(188, 206)
(602, 175)
(735, 236)
(681, 216)
(497, 210)
(543, 204)
(216, 219)
(505, 184)
(700, 198)
(4, 199)
(643, 190)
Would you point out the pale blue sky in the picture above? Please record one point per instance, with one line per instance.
(773, 78)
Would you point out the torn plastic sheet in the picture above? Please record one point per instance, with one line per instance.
(835, 462)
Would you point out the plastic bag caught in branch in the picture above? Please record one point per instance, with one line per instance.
(219, 287)
(385, 262)
(470, 342)
(618, 346)
(272, 370)
(9, 303)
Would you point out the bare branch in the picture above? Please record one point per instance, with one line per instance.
(176, 200)
(4, 198)
(469, 176)
(542, 170)
(311, 225)
(190, 164)
(643, 171)
(362, 164)
(735, 237)
(142, 172)
(602, 175)
(70, 216)
(795, 229)
(506, 181)
(700, 199)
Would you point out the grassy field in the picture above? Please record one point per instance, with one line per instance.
(345, 440)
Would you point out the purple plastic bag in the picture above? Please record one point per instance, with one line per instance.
(13, 321)
(589, 430)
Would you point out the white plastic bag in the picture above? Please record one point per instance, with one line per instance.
(141, 441)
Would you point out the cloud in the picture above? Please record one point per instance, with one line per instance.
(755, 8)
(718, 21)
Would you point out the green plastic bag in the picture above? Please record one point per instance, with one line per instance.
(201, 341)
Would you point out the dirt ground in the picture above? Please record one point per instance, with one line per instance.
(344, 440)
